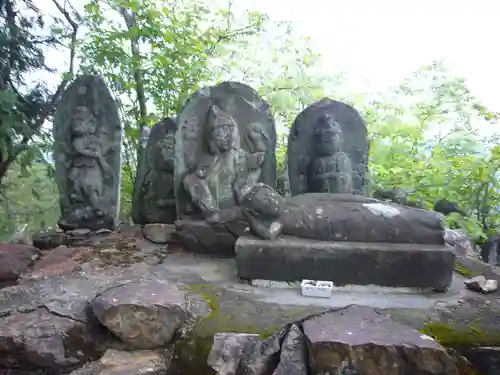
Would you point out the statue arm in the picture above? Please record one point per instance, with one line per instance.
(260, 230)
(255, 159)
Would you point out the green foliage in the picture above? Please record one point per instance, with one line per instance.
(424, 141)
(29, 197)
(176, 41)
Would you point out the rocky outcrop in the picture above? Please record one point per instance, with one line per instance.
(89, 309)
(354, 340)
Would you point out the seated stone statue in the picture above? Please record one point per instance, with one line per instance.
(338, 217)
(331, 170)
(215, 184)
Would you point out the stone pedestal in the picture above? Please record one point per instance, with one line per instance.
(385, 264)
(200, 237)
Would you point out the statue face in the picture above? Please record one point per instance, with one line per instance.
(225, 137)
(83, 121)
(327, 136)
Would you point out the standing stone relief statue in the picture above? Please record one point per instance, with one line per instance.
(328, 150)
(153, 200)
(87, 155)
(330, 170)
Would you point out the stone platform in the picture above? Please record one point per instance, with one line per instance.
(383, 264)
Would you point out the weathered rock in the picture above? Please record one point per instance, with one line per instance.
(227, 351)
(242, 354)
(341, 217)
(153, 199)
(201, 237)
(294, 259)
(260, 357)
(485, 360)
(301, 147)
(293, 358)
(15, 259)
(159, 233)
(147, 315)
(459, 242)
(226, 139)
(87, 134)
(481, 285)
(117, 362)
(41, 340)
(359, 340)
(49, 240)
(59, 261)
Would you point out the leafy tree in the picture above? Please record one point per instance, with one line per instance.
(163, 49)
(424, 140)
(25, 108)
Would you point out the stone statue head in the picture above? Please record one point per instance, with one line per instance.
(83, 122)
(164, 153)
(327, 136)
(263, 201)
(224, 135)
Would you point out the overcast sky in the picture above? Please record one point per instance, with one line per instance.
(378, 42)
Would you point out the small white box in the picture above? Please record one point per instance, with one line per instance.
(316, 288)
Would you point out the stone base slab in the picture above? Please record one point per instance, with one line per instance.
(384, 264)
(200, 237)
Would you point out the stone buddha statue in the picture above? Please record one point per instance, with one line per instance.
(212, 184)
(331, 170)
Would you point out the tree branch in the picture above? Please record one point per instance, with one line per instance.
(50, 105)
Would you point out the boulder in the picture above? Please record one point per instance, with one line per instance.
(359, 340)
(147, 315)
(15, 259)
(40, 340)
(118, 362)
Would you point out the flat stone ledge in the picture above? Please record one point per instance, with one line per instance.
(384, 264)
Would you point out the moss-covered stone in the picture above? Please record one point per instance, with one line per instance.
(464, 271)
(460, 337)
(231, 313)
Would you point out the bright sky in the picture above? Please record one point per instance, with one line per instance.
(379, 42)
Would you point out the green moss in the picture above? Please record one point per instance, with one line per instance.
(225, 319)
(464, 271)
(453, 337)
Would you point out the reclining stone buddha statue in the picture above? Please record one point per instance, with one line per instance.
(343, 238)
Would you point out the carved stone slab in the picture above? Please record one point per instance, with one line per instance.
(245, 107)
(301, 148)
(87, 153)
(153, 200)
